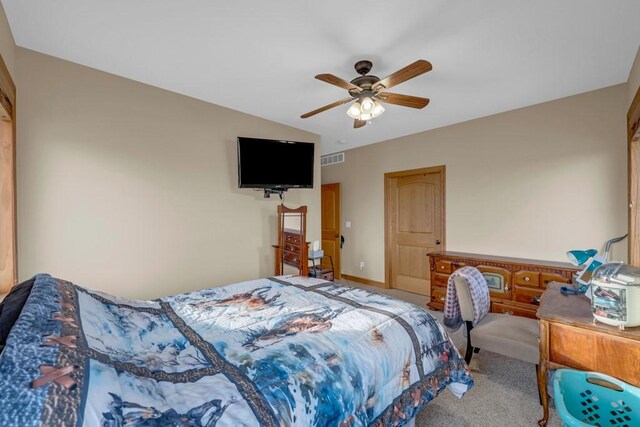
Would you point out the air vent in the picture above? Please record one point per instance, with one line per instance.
(332, 159)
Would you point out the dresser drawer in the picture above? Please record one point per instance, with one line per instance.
(291, 247)
(527, 295)
(290, 257)
(292, 238)
(440, 280)
(526, 278)
(498, 280)
(444, 267)
(546, 278)
(438, 296)
(498, 307)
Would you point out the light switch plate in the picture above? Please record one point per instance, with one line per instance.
(347, 224)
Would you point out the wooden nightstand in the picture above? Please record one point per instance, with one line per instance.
(570, 339)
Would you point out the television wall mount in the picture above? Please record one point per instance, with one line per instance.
(269, 191)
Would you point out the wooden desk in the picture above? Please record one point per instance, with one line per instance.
(570, 339)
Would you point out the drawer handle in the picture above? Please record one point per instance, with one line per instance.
(507, 312)
(527, 278)
(506, 287)
(536, 300)
(442, 267)
(442, 298)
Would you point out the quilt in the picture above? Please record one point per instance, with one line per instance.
(285, 351)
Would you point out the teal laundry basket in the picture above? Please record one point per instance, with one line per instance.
(594, 399)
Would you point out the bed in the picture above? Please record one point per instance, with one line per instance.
(268, 352)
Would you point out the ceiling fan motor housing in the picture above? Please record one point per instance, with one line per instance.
(365, 83)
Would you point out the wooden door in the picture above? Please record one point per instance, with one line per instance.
(330, 201)
(414, 226)
(8, 260)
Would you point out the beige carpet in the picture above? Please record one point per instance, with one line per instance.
(505, 391)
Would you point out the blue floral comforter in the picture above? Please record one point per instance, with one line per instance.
(270, 352)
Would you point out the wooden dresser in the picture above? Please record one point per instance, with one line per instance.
(292, 248)
(569, 338)
(516, 285)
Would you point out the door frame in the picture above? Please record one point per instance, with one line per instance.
(337, 262)
(387, 211)
(633, 166)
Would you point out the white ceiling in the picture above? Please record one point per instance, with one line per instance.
(260, 57)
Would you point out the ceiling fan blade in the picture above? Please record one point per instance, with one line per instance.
(410, 71)
(358, 123)
(337, 81)
(403, 100)
(325, 108)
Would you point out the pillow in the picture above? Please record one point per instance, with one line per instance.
(11, 307)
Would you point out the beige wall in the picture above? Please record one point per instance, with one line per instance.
(533, 182)
(634, 77)
(132, 190)
(7, 44)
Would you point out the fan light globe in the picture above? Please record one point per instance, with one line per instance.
(367, 105)
(354, 110)
(365, 116)
(377, 109)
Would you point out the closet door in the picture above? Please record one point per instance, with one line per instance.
(8, 262)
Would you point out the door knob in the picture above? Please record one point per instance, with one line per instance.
(437, 242)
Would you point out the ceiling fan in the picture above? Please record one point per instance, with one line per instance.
(369, 92)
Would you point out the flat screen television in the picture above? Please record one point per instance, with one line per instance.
(274, 164)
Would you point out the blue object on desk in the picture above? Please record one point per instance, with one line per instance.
(568, 291)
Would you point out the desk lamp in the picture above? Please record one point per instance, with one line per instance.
(578, 257)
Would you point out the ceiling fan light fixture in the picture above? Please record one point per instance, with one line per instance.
(366, 116)
(354, 110)
(377, 109)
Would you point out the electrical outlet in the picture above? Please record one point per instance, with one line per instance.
(361, 265)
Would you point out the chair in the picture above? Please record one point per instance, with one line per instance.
(511, 336)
